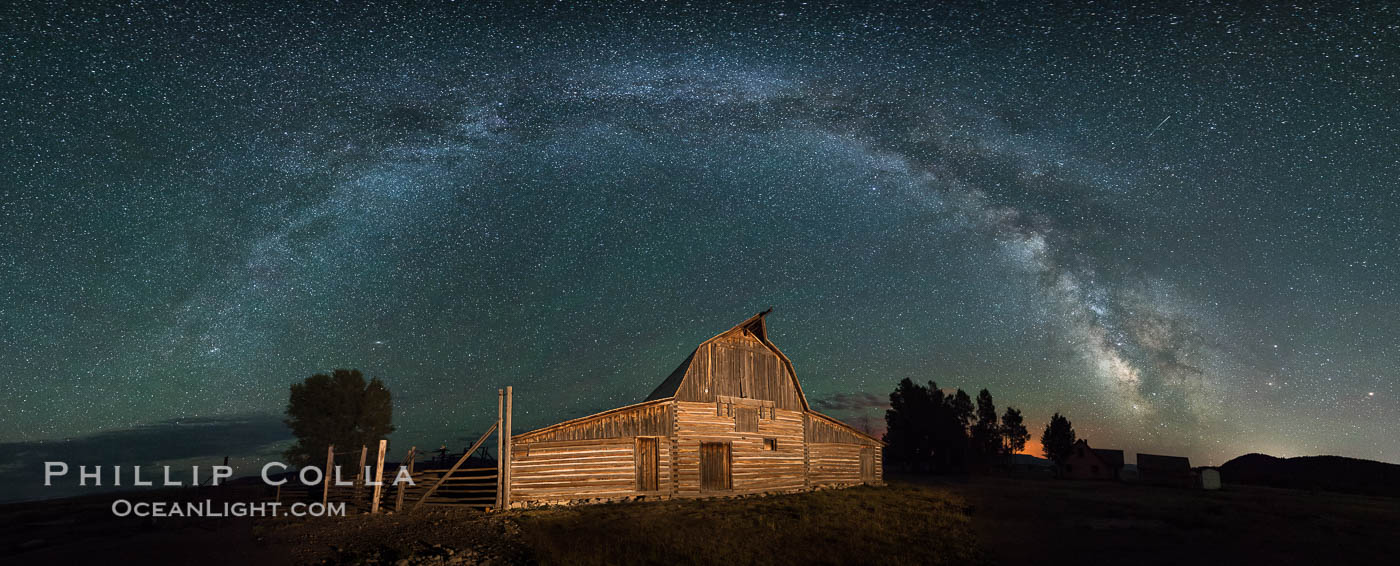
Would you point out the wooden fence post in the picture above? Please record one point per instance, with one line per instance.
(360, 475)
(326, 476)
(378, 476)
(500, 443)
(407, 461)
(505, 456)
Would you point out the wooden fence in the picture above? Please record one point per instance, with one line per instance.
(459, 485)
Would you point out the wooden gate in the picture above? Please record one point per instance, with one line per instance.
(460, 487)
(482, 487)
(714, 467)
(647, 462)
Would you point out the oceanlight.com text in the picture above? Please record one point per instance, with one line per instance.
(207, 508)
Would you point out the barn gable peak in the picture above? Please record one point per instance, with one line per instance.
(703, 369)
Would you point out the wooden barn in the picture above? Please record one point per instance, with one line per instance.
(730, 420)
(1088, 463)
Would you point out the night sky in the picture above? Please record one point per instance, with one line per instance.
(1177, 228)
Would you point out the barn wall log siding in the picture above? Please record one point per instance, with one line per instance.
(834, 453)
(592, 469)
(713, 399)
(836, 464)
(755, 468)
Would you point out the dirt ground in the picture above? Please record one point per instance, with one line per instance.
(915, 520)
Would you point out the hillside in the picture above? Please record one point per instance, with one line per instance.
(1329, 473)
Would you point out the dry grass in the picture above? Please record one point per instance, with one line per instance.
(905, 524)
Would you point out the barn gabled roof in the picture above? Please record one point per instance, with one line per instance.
(756, 325)
(672, 384)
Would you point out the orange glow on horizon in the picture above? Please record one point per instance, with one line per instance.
(1032, 447)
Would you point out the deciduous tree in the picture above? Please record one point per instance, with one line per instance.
(339, 409)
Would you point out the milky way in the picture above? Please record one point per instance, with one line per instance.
(1176, 228)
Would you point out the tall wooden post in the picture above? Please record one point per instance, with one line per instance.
(408, 461)
(500, 435)
(505, 454)
(378, 476)
(326, 475)
(360, 475)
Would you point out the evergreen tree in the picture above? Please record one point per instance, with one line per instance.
(1013, 432)
(986, 433)
(1058, 439)
(907, 433)
(953, 438)
(961, 407)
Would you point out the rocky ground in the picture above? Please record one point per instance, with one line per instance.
(430, 537)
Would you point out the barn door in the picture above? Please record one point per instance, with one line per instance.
(714, 466)
(647, 460)
(867, 464)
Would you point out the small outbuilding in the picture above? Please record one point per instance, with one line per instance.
(730, 420)
(1165, 470)
(1210, 478)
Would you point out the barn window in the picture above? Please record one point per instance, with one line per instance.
(745, 419)
(770, 444)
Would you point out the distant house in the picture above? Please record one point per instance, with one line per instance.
(732, 419)
(1087, 463)
(1165, 470)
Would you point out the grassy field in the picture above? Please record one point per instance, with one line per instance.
(917, 520)
(906, 524)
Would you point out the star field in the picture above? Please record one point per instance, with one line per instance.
(1176, 227)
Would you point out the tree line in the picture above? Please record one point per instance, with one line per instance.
(928, 430)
